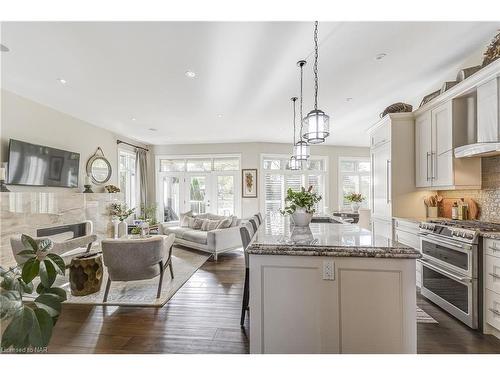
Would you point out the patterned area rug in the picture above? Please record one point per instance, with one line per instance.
(423, 317)
(142, 293)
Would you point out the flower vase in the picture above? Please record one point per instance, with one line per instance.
(301, 218)
(115, 223)
(355, 207)
(122, 229)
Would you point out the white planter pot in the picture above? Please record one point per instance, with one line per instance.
(122, 229)
(115, 223)
(301, 218)
(355, 207)
(432, 212)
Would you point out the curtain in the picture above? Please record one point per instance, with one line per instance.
(141, 168)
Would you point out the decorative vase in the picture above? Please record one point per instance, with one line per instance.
(355, 206)
(301, 218)
(122, 228)
(115, 223)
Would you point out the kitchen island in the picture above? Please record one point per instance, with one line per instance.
(330, 288)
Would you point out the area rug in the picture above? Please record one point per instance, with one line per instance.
(423, 317)
(142, 293)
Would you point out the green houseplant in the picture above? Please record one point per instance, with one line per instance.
(27, 326)
(355, 200)
(300, 205)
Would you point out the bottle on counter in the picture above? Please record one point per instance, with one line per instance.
(462, 210)
(454, 211)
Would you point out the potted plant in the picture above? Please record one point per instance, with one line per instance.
(355, 200)
(122, 212)
(300, 205)
(26, 327)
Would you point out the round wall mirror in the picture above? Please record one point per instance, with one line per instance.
(99, 168)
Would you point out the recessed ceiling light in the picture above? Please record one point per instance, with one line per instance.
(380, 56)
(190, 74)
(4, 48)
(133, 118)
(153, 129)
(220, 115)
(62, 81)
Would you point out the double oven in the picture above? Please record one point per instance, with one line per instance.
(450, 271)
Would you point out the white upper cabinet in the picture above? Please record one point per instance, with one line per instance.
(423, 149)
(381, 177)
(437, 132)
(488, 111)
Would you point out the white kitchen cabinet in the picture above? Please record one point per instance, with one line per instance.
(491, 307)
(381, 175)
(406, 232)
(423, 149)
(488, 111)
(393, 169)
(437, 132)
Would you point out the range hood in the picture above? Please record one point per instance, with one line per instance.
(484, 140)
(478, 150)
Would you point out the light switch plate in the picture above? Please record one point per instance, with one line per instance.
(328, 270)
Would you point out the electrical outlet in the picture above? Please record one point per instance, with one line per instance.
(328, 270)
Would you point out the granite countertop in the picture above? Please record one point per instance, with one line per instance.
(494, 235)
(276, 236)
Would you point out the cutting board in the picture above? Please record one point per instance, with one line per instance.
(447, 203)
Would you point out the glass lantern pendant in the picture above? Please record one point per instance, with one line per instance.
(294, 164)
(317, 123)
(301, 149)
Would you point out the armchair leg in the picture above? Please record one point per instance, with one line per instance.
(161, 280)
(88, 247)
(108, 285)
(171, 269)
(215, 256)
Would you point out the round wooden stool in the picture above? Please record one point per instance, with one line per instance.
(85, 274)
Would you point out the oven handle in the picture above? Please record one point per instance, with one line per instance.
(431, 239)
(449, 274)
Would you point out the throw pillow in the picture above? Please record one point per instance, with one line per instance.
(209, 225)
(235, 221)
(196, 223)
(186, 214)
(185, 220)
(226, 223)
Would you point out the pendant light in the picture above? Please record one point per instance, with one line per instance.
(301, 148)
(317, 122)
(294, 164)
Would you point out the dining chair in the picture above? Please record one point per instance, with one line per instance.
(247, 232)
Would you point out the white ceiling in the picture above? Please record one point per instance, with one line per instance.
(245, 71)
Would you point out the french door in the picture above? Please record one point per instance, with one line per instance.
(215, 192)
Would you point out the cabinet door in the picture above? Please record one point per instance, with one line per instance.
(423, 148)
(488, 111)
(442, 145)
(381, 176)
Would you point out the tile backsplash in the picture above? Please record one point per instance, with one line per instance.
(488, 198)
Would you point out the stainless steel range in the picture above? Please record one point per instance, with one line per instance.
(450, 273)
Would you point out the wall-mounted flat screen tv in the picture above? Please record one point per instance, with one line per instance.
(36, 165)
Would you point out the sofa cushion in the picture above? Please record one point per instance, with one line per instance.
(195, 236)
(178, 231)
(225, 223)
(235, 221)
(209, 224)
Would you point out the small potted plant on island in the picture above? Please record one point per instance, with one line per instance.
(355, 200)
(121, 212)
(300, 205)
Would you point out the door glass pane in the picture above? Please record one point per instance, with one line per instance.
(197, 194)
(315, 165)
(199, 165)
(364, 166)
(273, 192)
(172, 165)
(225, 195)
(171, 198)
(226, 164)
(273, 164)
(347, 166)
(446, 288)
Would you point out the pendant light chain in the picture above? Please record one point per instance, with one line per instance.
(294, 115)
(301, 97)
(315, 68)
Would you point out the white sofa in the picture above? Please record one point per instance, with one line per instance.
(214, 242)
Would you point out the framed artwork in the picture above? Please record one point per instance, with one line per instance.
(249, 183)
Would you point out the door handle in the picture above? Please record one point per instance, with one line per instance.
(427, 165)
(494, 275)
(494, 311)
(494, 248)
(388, 177)
(433, 158)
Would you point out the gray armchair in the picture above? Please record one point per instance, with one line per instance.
(137, 259)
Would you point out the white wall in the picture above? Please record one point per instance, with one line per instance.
(250, 158)
(26, 120)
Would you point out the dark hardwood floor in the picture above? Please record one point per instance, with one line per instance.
(204, 315)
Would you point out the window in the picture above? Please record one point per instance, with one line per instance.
(127, 176)
(354, 177)
(278, 178)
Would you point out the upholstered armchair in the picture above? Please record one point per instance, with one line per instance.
(137, 259)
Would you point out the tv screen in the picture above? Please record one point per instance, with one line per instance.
(36, 165)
